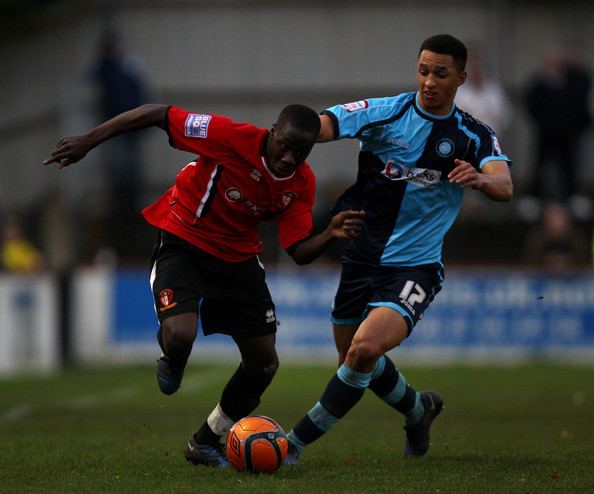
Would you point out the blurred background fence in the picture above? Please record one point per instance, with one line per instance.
(79, 230)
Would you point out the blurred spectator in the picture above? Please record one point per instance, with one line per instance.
(16, 253)
(121, 86)
(482, 96)
(556, 244)
(557, 100)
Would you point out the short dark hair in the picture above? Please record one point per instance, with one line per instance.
(301, 117)
(446, 44)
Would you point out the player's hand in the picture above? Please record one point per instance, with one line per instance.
(346, 224)
(465, 175)
(70, 150)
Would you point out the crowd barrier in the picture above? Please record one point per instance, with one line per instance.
(494, 316)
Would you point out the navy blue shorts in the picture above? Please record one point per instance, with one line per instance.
(407, 290)
(230, 297)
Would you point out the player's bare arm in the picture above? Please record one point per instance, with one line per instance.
(346, 224)
(326, 129)
(71, 149)
(494, 181)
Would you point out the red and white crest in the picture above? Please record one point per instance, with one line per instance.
(166, 299)
(286, 198)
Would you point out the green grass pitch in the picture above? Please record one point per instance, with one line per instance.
(521, 429)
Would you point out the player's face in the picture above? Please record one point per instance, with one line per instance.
(438, 80)
(287, 148)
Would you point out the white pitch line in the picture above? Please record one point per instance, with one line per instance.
(202, 380)
(193, 383)
(16, 413)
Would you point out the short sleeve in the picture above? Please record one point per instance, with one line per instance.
(488, 148)
(296, 222)
(351, 119)
(200, 133)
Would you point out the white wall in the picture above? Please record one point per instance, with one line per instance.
(28, 323)
(247, 59)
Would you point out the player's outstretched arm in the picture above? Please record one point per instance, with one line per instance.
(326, 129)
(71, 149)
(346, 224)
(495, 180)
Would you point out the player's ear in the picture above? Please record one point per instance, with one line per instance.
(461, 77)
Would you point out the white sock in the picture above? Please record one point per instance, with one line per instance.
(219, 422)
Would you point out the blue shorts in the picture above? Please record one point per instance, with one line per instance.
(407, 290)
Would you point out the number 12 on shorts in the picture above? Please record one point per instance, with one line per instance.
(412, 297)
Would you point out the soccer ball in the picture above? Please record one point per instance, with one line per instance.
(257, 444)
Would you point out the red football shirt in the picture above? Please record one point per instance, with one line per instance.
(219, 199)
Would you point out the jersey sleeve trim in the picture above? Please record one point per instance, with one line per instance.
(500, 157)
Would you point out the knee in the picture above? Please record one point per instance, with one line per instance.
(363, 355)
(178, 334)
(263, 371)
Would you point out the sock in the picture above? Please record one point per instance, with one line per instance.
(391, 386)
(217, 425)
(242, 392)
(342, 393)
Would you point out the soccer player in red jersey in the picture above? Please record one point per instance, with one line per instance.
(206, 264)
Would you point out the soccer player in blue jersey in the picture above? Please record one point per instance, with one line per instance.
(418, 154)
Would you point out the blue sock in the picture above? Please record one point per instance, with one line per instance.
(342, 393)
(391, 386)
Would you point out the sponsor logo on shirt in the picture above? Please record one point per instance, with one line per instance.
(256, 175)
(233, 194)
(421, 177)
(197, 125)
(355, 105)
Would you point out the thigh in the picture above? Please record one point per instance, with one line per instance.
(343, 336)
(176, 283)
(384, 328)
(244, 308)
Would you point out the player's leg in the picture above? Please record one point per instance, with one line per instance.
(242, 393)
(404, 296)
(376, 335)
(252, 324)
(176, 336)
(176, 282)
(343, 335)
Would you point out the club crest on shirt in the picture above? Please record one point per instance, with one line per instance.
(197, 125)
(286, 198)
(356, 105)
(445, 148)
(421, 177)
(166, 299)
